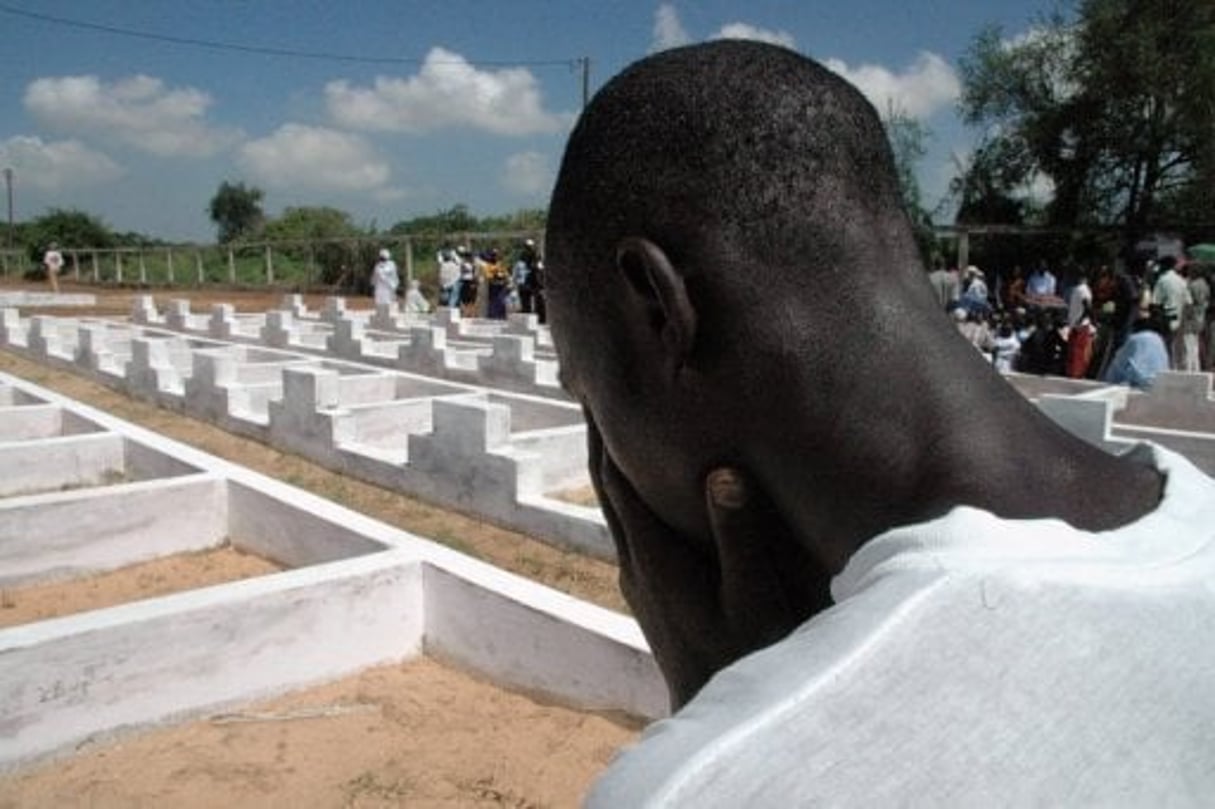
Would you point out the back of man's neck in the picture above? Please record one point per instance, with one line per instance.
(908, 455)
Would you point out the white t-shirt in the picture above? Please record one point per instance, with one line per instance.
(53, 261)
(1081, 296)
(1173, 294)
(971, 661)
(449, 270)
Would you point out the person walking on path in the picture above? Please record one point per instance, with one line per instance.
(52, 260)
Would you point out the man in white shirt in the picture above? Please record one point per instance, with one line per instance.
(52, 260)
(1171, 293)
(868, 569)
(1079, 301)
(449, 277)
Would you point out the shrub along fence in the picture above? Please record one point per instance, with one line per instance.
(333, 264)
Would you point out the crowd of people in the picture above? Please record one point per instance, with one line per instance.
(479, 285)
(1121, 327)
(484, 285)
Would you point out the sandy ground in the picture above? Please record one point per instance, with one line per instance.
(415, 735)
(583, 496)
(171, 574)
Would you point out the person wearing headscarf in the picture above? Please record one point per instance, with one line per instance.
(385, 279)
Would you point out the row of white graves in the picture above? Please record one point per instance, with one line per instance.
(82, 492)
(514, 354)
(504, 456)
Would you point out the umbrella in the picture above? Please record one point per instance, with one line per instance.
(1202, 252)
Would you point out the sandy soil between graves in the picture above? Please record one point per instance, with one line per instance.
(417, 735)
(157, 577)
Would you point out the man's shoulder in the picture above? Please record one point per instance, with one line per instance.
(937, 647)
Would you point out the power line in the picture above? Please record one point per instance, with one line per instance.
(270, 51)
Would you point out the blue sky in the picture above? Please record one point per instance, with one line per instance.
(474, 109)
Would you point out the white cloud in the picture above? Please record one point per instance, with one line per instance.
(138, 111)
(926, 86)
(742, 30)
(668, 30)
(51, 166)
(670, 33)
(447, 92)
(527, 173)
(308, 157)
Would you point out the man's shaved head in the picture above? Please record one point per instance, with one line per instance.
(752, 142)
(717, 204)
(735, 295)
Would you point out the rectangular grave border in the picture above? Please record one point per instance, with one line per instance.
(92, 675)
(517, 497)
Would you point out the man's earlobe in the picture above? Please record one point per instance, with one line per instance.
(661, 291)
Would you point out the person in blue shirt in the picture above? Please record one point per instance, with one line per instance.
(1142, 356)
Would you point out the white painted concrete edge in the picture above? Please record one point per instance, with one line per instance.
(105, 671)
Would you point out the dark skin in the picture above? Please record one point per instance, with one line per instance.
(777, 509)
(745, 445)
(739, 600)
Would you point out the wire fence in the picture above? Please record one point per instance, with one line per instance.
(331, 264)
(345, 264)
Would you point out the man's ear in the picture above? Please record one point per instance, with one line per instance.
(659, 288)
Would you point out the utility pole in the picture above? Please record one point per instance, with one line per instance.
(8, 184)
(585, 64)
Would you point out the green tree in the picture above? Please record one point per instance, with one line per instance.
(456, 219)
(236, 210)
(908, 138)
(530, 219)
(459, 219)
(329, 234)
(306, 223)
(1115, 106)
(132, 238)
(67, 227)
(984, 190)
